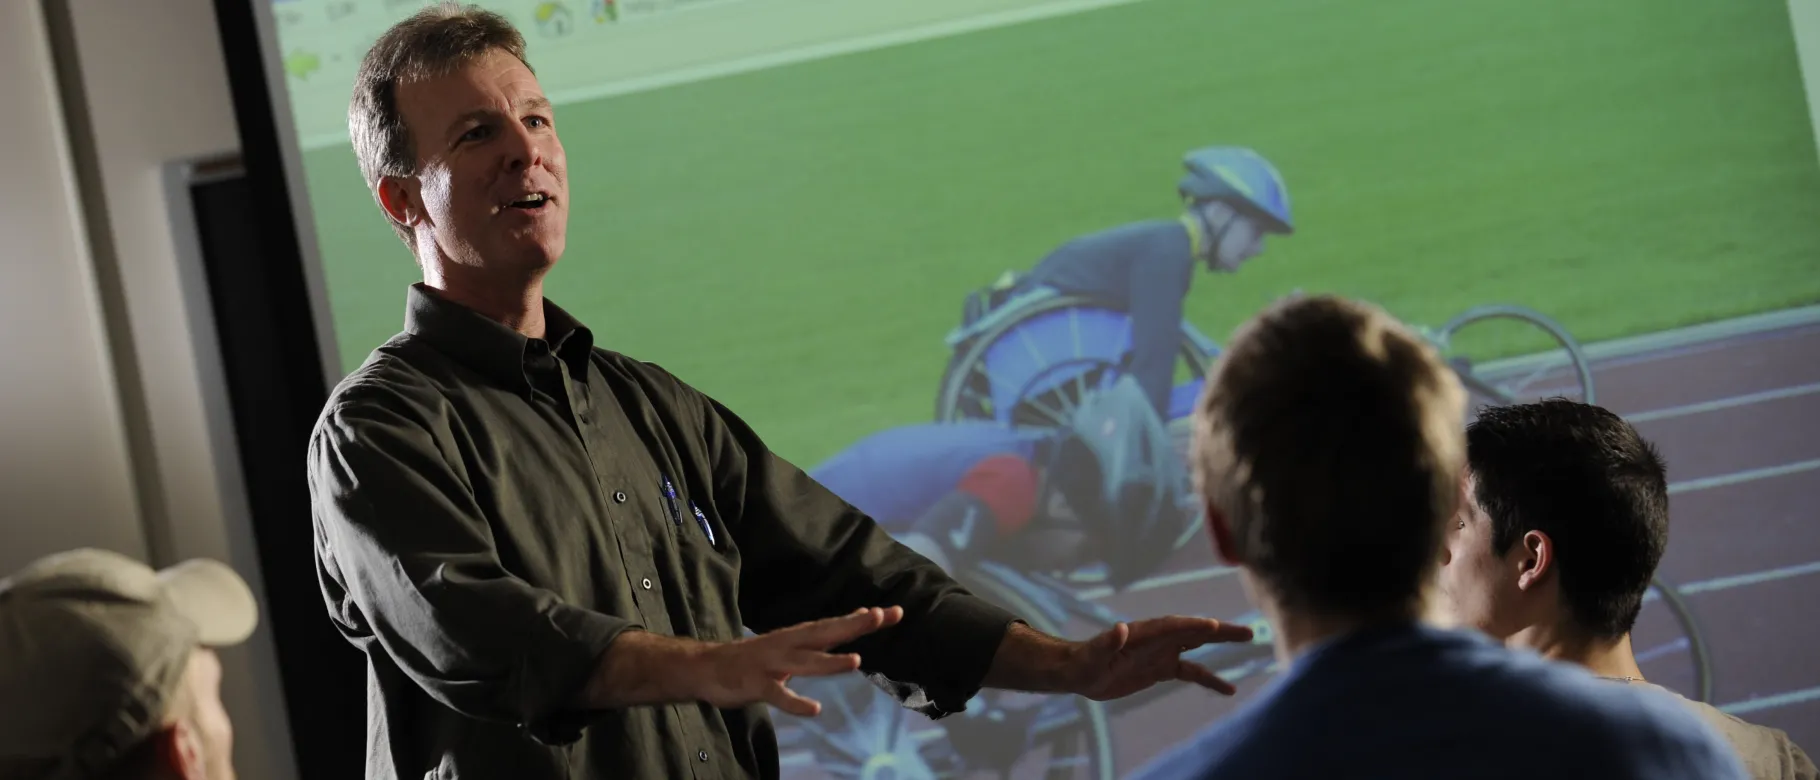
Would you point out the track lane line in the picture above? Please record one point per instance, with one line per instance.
(1760, 703)
(1741, 477)
(1730, 402)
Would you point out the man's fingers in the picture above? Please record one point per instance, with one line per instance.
(1204, 677)
(1187, 632)
(814, 663)
(846, 628)
(781, 697)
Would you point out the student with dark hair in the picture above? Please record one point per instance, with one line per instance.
(1564, 520)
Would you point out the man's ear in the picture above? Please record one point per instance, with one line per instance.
(1221, 531)
(180, 751)
(399, 198)
(1535, 559)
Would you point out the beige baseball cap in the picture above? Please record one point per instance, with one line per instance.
(94, 645)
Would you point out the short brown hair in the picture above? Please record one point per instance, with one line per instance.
(1331, 439)
(432, 42)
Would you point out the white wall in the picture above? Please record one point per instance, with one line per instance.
(154, 89)
(65, 479)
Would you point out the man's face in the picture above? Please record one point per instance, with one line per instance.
(208, 716)
(491, 189)
(1238, 237)
(1478, 587)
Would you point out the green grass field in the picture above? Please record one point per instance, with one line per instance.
(796, 241)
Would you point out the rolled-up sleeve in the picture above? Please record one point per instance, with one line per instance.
(407, 561)
(807, 554)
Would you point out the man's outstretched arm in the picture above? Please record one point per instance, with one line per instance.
(1120, 661)
(642, 668)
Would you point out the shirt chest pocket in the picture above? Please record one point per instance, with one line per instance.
(703, 558)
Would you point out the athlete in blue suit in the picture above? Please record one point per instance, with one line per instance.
(1107, 488)
(1233, 198)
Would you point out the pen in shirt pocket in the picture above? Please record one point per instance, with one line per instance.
(706, 527)
(670, 501)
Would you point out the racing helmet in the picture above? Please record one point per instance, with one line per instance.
(1115, 464)
(1240, 176)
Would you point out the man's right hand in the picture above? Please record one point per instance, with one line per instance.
(643, 669)
(759, 668)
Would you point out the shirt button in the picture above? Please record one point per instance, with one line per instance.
(703, 755)
(646, 582)
(619, 496)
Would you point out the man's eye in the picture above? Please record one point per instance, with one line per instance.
(537, 121)
(476, 134)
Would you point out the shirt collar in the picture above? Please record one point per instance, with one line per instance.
(495, 351)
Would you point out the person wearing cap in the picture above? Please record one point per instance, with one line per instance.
(108, 669)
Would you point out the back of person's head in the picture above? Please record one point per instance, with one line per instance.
(1598, 490)
(107, 671)
(1328, 449)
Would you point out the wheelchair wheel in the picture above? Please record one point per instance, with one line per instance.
(1700, 688)
(1032, 368)
(864, 733)
(1074, 730)
(1551, 363)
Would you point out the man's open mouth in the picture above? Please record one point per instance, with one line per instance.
(531, 202)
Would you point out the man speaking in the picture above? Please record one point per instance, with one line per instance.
(548, 550)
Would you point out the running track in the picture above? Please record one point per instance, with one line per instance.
(1738, 418)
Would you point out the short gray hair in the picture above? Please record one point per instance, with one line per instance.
(432, 42)
(1332, 439)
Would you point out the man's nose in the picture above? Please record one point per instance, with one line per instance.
(522, 149)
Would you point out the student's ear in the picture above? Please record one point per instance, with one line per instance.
(179, 751)
(1535, 559)
(1221, 531)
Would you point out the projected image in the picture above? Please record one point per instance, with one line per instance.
(968, 261)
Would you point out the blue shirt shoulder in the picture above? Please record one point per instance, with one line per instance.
(1417, 703)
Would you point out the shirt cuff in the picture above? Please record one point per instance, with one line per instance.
(565, 649)
(963, 635)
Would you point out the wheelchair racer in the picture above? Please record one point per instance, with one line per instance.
(1107, 488)
(1233, 197)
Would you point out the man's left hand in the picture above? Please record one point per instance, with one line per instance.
(1130, 657)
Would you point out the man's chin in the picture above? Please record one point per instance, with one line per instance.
(533, 254)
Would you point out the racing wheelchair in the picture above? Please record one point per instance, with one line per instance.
(1029, 359)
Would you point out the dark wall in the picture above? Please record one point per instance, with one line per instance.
(276, 388)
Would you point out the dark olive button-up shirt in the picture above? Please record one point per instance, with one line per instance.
(491, 511)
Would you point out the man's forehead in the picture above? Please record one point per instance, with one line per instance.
(495, 80)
